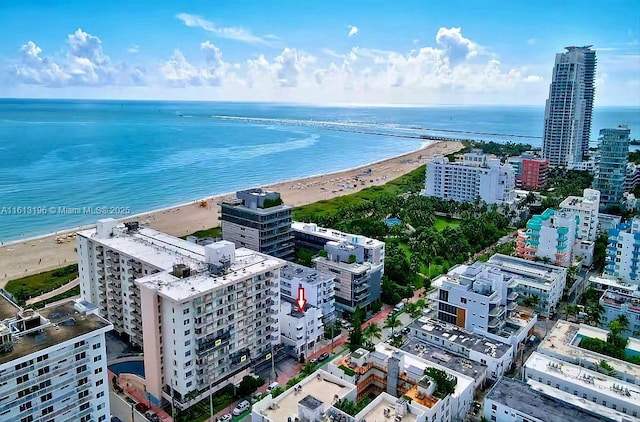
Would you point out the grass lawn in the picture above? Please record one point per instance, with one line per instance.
(212, 232)
(394, 187)
(69, 293)
(442, 223)
(34, 285)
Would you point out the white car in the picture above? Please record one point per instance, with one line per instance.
(242, 407)
(225, 418)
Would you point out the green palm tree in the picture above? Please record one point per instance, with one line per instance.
(393, 322)
(623, 320)
(594, 313)
(371, 332)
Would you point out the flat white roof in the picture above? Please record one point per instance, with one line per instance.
(247, 264)
(375, 410)
(320, 385)
(600, 384)
(561, 342)
(335, 235)
(150, 246)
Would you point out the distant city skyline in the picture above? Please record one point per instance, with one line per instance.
(358, 52)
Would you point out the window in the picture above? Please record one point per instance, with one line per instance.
(185, 311)
(45, 397)
(96, 346)
(97, 371)
(99, 383)
(97, 358)
(463, 300)
(494, 407)
(100, 394)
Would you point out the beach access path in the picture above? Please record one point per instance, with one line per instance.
(32, 256)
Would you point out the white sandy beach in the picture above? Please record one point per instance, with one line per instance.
(39, 254)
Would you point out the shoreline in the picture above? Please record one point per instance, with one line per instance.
(22, 257)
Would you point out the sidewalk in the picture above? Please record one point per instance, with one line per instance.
(139, 397)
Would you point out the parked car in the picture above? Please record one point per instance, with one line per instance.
(149, 414)
(313, 361)
(271, 387)
(406, 330)
(323, 356)
(225, 418)
(399, 307)
(242, 407)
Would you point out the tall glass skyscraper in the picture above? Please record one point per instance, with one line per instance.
(567, 119)
(612, 171)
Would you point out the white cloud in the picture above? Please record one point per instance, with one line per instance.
(85, 63)
(134, 49)
(531, 41)
(179, 72)
(232, 33)
(353, 30)
(457, 47)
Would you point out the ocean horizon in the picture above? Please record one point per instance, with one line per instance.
(129, 157)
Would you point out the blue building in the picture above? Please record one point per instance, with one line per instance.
(611, 173)
(623, 252)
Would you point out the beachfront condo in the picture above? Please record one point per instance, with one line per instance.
(356, 262)
(611, 173)
(258, 220)
(567, 117)
(482, 299)
(53, 363)
(204, 316)
(530, 171)
(477, 176)
(586, 206)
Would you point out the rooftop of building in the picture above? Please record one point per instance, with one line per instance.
(589, 199)
(321, 386)
(150, 246)
(336, 235)
(296, 273)
(248, 263)
(383, 408)
(294, 312)
(356, 268)
(430, 352)
(48, 327)
(603, 283)
(588, 379)
(562, 342)
(527, 269)
(520, 396)
(462, 337)
(418, 364)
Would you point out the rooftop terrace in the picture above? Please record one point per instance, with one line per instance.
(376, 410)
(320, 385)
(462, 337)
(335, 235)
(50, 326)
(296, 273)
(562, 343)
(445, 358)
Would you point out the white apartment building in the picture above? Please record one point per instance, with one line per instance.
(623, 252)
(204, 315)
(605, 394)
(318, 288)
(563, 343)
(496, 356)
(607, 221)
(552, 235)
(356, 262)
(483, 300)
(616, 303)
(586, 206)
(300, 331)
(534, 279)
(53, 364)
(477, 176)
(511, 400)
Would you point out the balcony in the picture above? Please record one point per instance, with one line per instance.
(497, 311)
(512, 296)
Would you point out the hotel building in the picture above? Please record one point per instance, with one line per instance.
(611, 173)
(318, 288)
(567, 117)
(356, 262)
(530, 171)
(483, 300)
(53, 364)
(552, 236)
(203, 315)
(258, 220)
(616, 302)
(477, 176)
(586, 206)
(534, 279)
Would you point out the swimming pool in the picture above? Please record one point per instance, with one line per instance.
(135, 367)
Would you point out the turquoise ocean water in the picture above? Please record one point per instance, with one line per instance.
(139, 156)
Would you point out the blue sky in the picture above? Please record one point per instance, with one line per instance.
(374, 52)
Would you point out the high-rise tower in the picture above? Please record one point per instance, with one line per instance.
(567, 119)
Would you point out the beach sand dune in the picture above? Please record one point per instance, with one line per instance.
(32, 256)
